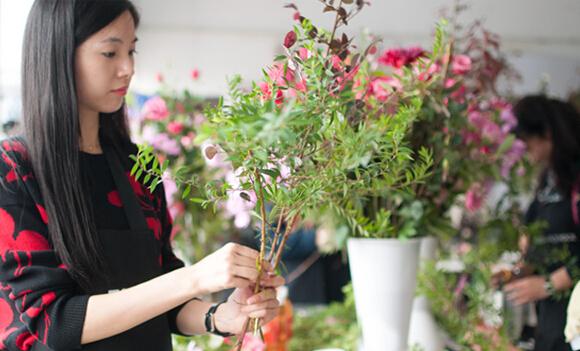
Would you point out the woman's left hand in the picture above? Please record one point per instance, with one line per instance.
(231, 316)
(525, 290)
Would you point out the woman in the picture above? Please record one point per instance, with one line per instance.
(85, 255)
(551, 130)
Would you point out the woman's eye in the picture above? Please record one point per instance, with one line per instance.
(133, 52)
(109, 54)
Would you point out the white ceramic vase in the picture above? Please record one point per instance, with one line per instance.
(424, 331)
(384, 275)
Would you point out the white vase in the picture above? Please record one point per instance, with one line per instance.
(424, 331)
(384, 275)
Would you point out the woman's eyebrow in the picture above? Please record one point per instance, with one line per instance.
(116, 40)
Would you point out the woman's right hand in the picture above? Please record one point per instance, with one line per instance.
(232, 266)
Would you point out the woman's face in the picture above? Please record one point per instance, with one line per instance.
(539, 149)
(104, 66)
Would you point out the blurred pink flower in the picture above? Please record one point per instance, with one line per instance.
(198, 120)
(159, 78)
(155, 109)
(461, 64)
(513, 156)
(253, 343)
(383, 87)
(304, 54)
(175, 127)
(474, 197)
(276, 74)
(265, 90)
(161, 141)
(195, 74)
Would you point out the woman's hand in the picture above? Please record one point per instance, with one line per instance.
(232, 266)
(525, 290)
(242, 304)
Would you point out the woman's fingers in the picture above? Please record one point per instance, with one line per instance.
(272, 281)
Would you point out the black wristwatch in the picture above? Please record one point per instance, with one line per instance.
(210, 326)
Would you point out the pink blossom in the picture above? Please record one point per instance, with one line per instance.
(492, 132)
(474, 198)
(304, 54)
(161, 142)
(449, 83)
(279, 97)
(508, 118)
(175, 127)
(265, 90)
(198, 120)
(187, 140)
(296, 16)
(159, 77)
(513, 156)
(253, 343)
(195, 74)
(336, 62)
(383, 87)
(461, 64)
(425, 69)
(155, 109)
(276, 74)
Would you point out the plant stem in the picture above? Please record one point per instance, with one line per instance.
(284, 238)
(276, 235)
(336, 21)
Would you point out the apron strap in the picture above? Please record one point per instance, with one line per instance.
(133, 209)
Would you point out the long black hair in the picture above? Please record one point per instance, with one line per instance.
(540, 116)
(55, 28)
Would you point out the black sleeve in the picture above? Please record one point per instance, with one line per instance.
(48, 306)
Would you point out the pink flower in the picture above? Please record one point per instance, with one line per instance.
(161, 142)
(425, 70)
(290, 39)
(336, 62)
(265, 90)
(383, 87)
(159, 78)
(155, 109)
(279, 97)
(461, 64)
(513, 156)
(304, 54)
(474, 198)
(276, 74)
(296, 16)
(187, 140)
(401, 57)
(195, 74)
(175, 127)
(253, 343)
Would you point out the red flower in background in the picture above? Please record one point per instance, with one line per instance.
(398, 58)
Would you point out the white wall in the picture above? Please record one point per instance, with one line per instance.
(12, 22)
(225, 37)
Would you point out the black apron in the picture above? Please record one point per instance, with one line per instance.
(133, 258)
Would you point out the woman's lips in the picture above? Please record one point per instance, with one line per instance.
(121, 91)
